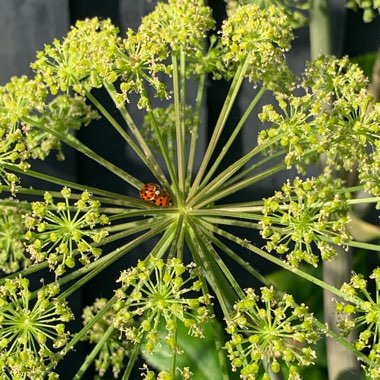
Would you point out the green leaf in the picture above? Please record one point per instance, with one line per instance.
(200, 354)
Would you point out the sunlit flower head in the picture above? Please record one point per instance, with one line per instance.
(303, 216)
(157, 290)
(260, 36)
(267, 333)
(362, 313)
(82, 60)
(331, 116)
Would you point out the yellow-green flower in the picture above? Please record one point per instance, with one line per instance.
(303, 216)
(157, 290)
(362, 313)
(58, 231)
(31, 332)
(267, 333)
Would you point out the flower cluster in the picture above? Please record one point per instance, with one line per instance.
(156, 290)
(18, 98)
(12, 239)
(83, 60)
(267, 333)
(176, 25)
(368, 6)
(261, 37)
(363, 314)
(114, 351)
(25, 121)
(29, 334)
(369, 171)
(63, 114)
(304, 213)
(334, 116)
(56, 229)
(148, 374)
(294, 9)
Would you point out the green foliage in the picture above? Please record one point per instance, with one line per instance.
(184, 281)
(200, 356)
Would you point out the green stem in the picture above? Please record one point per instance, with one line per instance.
(163, 147)
(117, 126)
(179, 91)
(203, 233)
(245, 244)
(91, 357)
(173, 359)
(359, 201)
(221, 122)
(83, 332)
(320, 30)
(194, 130)
(233, 136)
(76, 144)
(71, 185)
(218, 335)
(244, 264)
(217, 183)
(356, 244)
(234, 215)
(203, 259)
(153, 165)
(251, 168)
(239, 185)
(177, 243)
(338, 338)
(105, 261)
(131, 362)
(233, 222)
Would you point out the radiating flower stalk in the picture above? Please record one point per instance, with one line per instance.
(192, 231)
(31, 330)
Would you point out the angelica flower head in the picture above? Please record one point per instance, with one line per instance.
(178, 25)
(294, 9)
(63, 114)
(113, 351)
(260, 36)
(362, 312)
(59, 230)
(13, 255)
(82, 60)
(18, 98)
(272, 329)
(302, 214)
(157, 289)
(31, 332)
(331, 114)
(369, 171)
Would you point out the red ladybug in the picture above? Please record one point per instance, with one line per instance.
(163, 200)
(153, 193)
(149, 192)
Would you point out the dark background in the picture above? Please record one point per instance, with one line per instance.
(26, 25)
